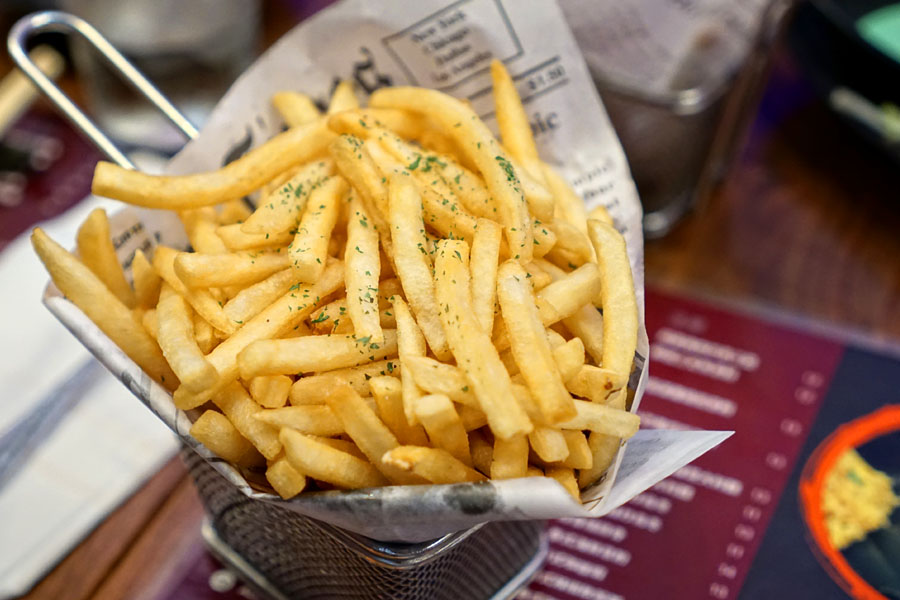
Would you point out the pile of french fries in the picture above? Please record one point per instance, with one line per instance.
(411, 301)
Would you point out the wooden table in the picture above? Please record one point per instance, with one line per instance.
(808, 221)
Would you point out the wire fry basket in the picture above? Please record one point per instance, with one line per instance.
(277, 552)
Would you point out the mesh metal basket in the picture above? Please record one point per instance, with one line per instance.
(282, 554)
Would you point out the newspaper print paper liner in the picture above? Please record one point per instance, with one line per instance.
(447, 46)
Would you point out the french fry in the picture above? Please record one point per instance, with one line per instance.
(360, 122)
(388, 394)
(251, 300)
(233, 181)
(234, 211)
(443, 425)
(95, 249)
(369, 432)
(150, 322)
(239, 407)
(569, 207)
(201, 300)
(312, 389)
(602, 419)
(510, 458)
(572, 246)
(215, 431)
(312, 353)
(325, 463)
(270, 392)
(146, 281)
(566, 478)
(599, 213)
(86, 291)
(436, 377)
(277, 319)
(482, 452)
(603, 449)
(295, 108)
(314, 419)
(236, 268)
(175, 336)
(595, 383)
(236, 239)
(579, 456)
(343, 98)
(472, 418)
(548, 443)
(280, 209)
(587, 324)
(620, 315)
(285, 479)
(462, 124)
(201, 226)
(529, 345)
(362, 269)
(569, 358)
(410, 344)
(485, 255)
(471, 346)
(413, 263)
(432, 464)
(565, 296)
(309, 248)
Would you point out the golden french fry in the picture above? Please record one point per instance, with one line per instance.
(285, 479)
(251, 300)
(362, 269)
(295, 108)
(565, 296)
(412, 262)
(146, 281)
(277, 319)
(529, 344)
(472, 418)
(326, 463)
(440, 378)
(150, 323)
(312, 353)
(343, 98)
(569, 207)
(471, 346)
(313, 419)
(86, 291)
(201, 226)
(312, 389)
(309, 248)
(482, 452)
(599, 213)
(200, 300)
(219, 270)
(566, 478)
(620, 315)
(95, 249)
(239, 407)
(569, 358)
(235, 239)
(215, 431)
(272, 391)
(580, 456)
(587, 324)
(485, 255)
(410, 344)
(368, 431)
(233, 181)
(388, 394)
(280, 209)
(356, 166)
(572, 248)
(361, 122)
(603, 449)
(234, 211)
(548, 443)
(175, 336)
(432, 464)
(595, 383)
(603, 419)
(510, 458)
(461, 123)
(443, 425)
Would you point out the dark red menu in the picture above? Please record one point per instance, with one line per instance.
(729, 525)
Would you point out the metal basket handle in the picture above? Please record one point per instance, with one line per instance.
(62, 22)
